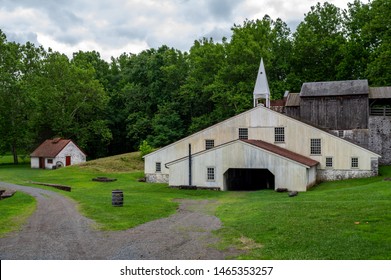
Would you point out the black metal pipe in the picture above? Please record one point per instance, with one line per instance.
(190, 179)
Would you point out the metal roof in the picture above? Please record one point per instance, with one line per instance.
(282, 152)
(335, 88)
(380, 92)
(293, 100)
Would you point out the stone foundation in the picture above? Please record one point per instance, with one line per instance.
(375, 166)
(380, 137)
(157, 178)
(336, 175)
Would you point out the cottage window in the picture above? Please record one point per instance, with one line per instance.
(158, 166)
(243, 133)
(316, 146)
(210, 173)
(329, 162)
(209, 144)
(354, 162)
(279, 134)
(50, 161)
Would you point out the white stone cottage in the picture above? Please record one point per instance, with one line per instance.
(54, 153)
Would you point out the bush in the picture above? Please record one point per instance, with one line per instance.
(145, 148)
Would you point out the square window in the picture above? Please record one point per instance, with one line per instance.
(50, 161)
(210, 175)
(354, 162)
(243, 133)
(209, 144)
(279, 134)
(329, 162)
(158, 167)
(316, 147)
(341, 133)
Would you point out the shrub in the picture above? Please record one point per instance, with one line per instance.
(145, 148)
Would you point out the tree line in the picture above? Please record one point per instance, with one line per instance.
(161, 95)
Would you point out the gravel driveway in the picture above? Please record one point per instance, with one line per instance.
(56, 230)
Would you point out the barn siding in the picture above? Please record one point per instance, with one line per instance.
(293, 112)
(337, 113)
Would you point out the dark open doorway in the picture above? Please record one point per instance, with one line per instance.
(238, 179)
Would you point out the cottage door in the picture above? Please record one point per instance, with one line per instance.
(67, 160)
(42, 162)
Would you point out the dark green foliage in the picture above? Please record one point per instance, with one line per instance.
(164, 94)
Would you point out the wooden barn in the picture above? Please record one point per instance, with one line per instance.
(349, 109)
(337, 105)
(292, 105)
(54, 153)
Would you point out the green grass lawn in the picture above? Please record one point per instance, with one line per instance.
(15, 211)
(336, 220)
(8, 159)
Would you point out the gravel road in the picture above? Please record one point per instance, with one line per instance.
(58, 231)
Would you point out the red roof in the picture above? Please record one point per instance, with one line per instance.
(282, 152)
(279, 102)
(50, 148)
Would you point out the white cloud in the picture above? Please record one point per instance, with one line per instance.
(117, 26)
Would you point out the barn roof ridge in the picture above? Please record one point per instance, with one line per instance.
(335, 88)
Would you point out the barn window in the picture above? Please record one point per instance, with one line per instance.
(329, 162)
(210, 173)
(279, 134)
(209, 144)
(158, 166)
(243, 133)
(316, 146)
(354, 162)
(341, 133)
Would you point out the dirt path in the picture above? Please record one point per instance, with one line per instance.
(56, 230)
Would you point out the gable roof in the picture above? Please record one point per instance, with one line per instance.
(335, 88)
(282, 152)
(293, 100)
(259, 144)
(50, 148)
(380, 92)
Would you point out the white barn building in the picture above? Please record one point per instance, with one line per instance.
(56, 153)
(259, 149)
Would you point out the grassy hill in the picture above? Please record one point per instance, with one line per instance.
(129, 162)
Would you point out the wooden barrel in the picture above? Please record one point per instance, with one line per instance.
(117, 198)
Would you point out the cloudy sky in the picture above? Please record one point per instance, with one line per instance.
(113, 27)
